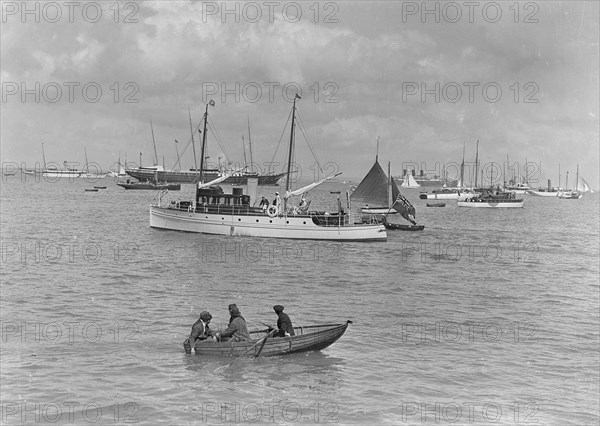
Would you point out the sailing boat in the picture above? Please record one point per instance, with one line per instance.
(409, 181)
(213, 211)
(573, 194)
(376, 192)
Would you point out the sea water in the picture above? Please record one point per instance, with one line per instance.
(486, 316)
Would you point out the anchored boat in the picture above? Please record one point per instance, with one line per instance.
(212, 211)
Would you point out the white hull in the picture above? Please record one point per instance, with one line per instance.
(257, 225)
(544, 193)
(377, 210)
(64, 173)
(492, 204)
(453, 196)
(570, 195)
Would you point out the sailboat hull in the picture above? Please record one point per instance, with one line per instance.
(474, 202)
(261, 225)
(543, 193)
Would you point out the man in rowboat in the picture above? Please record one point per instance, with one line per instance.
(284, 323)
(237, 331)
(200, 332)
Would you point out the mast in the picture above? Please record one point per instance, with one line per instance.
(43, 156)
(377, 153)
(559, 176)
(177, 150)
(140, 159)
(203, 148)
(389, 185)
(289, 163)
(193, 144)
(244, 149)
(86, 160)
(476, 163)
(526, 172)
(250, 143)
(462, 168)
(154, 143)
(577, 179)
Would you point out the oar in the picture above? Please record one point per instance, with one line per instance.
(263, 340)
(263, 343)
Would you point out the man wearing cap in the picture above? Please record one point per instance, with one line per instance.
(237, 331)
(200, 331)
(284, 324)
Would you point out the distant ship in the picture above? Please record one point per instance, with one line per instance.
(159, 174)
(422, 180)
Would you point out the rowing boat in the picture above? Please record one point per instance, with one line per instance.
(307, 338)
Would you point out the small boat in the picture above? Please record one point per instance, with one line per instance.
(150, 186)
(401, 227)
(307, 338)
(436, 204)
(99, 187)
(91, 190)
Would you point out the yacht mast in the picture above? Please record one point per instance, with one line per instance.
(154, 143)
(289, 163)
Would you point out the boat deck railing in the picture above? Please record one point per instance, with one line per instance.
(320, 218)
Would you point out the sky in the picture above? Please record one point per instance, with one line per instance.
(424, 78)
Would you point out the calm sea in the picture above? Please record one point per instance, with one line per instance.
(487, 316)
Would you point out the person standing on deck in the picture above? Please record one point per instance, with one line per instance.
(277, 200)
(264, 203)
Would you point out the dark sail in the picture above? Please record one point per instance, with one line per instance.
(373, 189)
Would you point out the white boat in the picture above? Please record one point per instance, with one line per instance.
(213, 211)
(442, 194)
(518, 188)
(409, 181)
(542, 192)
(493, 199)
(576, 193)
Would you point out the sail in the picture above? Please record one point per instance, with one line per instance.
(219, 179)
(409, 181)
(308, 187)
(373, 189)
(402, 205)
(582, 185)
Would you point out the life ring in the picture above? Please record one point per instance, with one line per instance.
(272, 211)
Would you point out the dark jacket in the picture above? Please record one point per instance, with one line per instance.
(199, 332)
(284, 323)
(237, 330)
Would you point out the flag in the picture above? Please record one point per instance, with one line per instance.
(176, 141)
(211, 103)
(405, 208)
(298, 96)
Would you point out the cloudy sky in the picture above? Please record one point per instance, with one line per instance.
(426, 78)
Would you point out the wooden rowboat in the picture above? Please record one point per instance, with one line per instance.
(436, 204)
(399, 227)
(308, 338)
